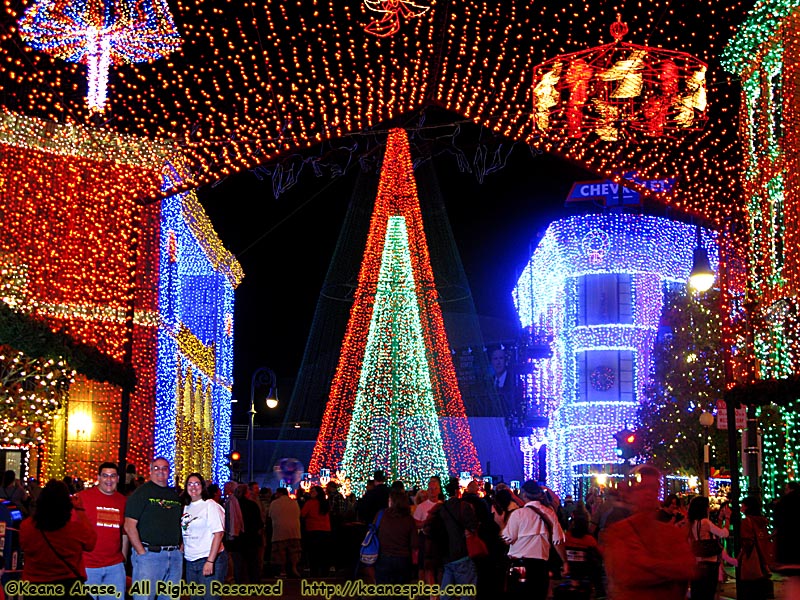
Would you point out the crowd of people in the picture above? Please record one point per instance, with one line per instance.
(150, 539)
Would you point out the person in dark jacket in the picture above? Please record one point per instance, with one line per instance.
(252, 535)
(455, 517)
(374, 499)
(397, 536)
(787, 534)
(490, 569)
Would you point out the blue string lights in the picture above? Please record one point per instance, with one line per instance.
(197, 278)
(597, 283)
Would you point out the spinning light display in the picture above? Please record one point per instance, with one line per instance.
(395, 374)
(620, 90)
(602, 303)
(100, 34)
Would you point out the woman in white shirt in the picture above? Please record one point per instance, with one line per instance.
(203, 526)
(701, 529)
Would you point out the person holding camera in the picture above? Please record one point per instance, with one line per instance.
(531, 531)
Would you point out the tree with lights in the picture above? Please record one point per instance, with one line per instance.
(394, 402)
(31, 391)
(395, 425)
(688, 378)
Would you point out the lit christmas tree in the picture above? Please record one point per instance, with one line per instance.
(394, 402)
(395, 414)
(688, 378)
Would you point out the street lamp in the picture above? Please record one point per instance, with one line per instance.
(263, 376)
(701, 277)
(706, 420)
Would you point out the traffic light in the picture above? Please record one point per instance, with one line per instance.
(626, 444)
(235, 461)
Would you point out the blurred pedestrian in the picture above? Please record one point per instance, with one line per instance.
(251, 539)
(644, 557)
(339, 517)
(286, 545)
(398, 538)
(234, 525)
(754, 573)
(53, 542)
(316, 518)
(13, 491)
(787, 534)
(583, 552)
(430, 566)
(374, 499)
(700, 527)
(254, 493)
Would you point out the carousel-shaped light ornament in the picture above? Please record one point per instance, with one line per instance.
(619, 91)
(99, 34)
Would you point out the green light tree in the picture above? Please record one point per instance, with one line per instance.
(395, 425)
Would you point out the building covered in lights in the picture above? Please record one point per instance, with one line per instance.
(596, 283)
(135, 297)
(764, 56)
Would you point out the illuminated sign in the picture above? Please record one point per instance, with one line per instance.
(610, 193)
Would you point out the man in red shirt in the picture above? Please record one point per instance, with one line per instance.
(105, 508)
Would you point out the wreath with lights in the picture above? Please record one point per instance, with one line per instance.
(602, 379)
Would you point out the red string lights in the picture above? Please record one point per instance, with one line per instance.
(255, 82)
(69, 223)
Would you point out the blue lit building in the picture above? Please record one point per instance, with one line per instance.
(197, 279)
(596, 283)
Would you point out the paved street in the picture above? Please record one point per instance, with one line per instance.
(294, 589)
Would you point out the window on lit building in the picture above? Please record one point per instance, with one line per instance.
(604, 299)
(605, 376)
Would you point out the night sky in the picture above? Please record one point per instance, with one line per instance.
(285, 245)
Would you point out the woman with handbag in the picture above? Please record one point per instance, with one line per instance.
(54, 542)
(754, 573)
(704, 537)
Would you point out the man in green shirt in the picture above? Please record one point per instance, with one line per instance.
(153, 525)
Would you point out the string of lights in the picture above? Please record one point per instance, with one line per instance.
(297, 73)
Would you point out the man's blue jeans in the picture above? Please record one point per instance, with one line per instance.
(194, 573)
(155, 567)
(461, 571)
(111, 575)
